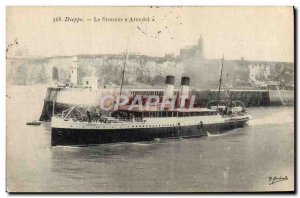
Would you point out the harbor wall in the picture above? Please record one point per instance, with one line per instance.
(251, 98)
(281, 97)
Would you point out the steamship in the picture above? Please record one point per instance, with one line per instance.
(147, 124)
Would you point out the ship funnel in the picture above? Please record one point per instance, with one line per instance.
(169, 87)
(185, 86)
(184, 91)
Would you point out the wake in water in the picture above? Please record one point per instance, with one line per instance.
(142, 143)
(226, 133)
(215, 135)
(66, 148)
(282, 116)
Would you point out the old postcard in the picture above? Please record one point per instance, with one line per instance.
(150, 99)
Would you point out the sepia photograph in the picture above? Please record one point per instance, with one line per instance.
(150, 99)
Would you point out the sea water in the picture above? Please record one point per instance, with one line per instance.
(243, 159)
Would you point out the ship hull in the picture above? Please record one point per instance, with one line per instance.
(85, 137)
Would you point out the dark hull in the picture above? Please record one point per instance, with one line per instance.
(87, 137)
(33, 123)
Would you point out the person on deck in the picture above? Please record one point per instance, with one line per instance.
(89, 116)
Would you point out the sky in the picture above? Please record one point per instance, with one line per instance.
(255, 33)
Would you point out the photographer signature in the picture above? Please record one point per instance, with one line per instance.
(273, 180)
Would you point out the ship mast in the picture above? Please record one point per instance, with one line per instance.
(124, 67)
(220, 82)
(123, 73)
